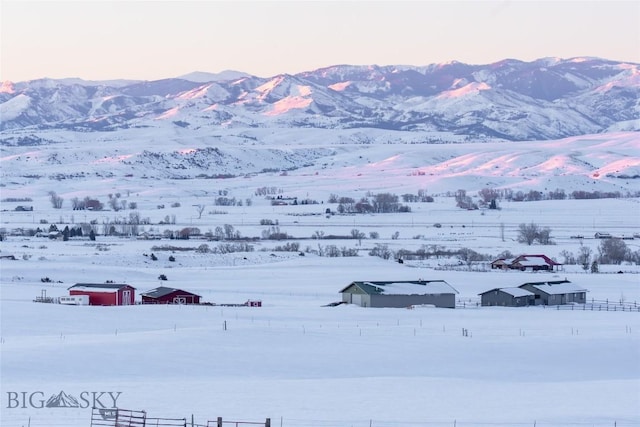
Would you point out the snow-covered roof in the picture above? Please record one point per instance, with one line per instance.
(532, 262)
(101, 287)
(162, 291)
(93, 289)
(559, 289)
(517, 292)
(421, 287)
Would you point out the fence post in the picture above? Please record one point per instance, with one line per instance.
(267, 423)
(219, 421)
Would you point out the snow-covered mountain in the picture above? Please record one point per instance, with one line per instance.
(548, 98)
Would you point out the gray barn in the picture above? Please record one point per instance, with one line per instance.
(556, 293)
(400, 293)
(507, 297)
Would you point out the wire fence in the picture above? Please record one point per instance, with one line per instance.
(115, 417)
(592, 305)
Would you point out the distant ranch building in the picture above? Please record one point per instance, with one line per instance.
(526, 263)
(105, 293)
(400, 293)
(535, 293)
(556, 293)
(507, 297)
(166, 295)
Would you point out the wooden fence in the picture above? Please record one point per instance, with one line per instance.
(116, 417)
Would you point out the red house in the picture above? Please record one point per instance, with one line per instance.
(165, 295)
(105, 293)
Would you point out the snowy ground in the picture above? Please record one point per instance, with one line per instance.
(303, 364)
(293, 359)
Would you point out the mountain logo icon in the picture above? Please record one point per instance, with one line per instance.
(62, 400)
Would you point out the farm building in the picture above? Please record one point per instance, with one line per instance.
(526, 262)
(535, 293)
(556, 293)
(105, 293)
(165, 295)
(400, 293)
(507, 297)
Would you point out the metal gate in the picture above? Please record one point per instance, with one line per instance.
(116, 417)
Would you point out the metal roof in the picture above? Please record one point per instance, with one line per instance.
(162, 291)
(403, 287)
(99, 286)
(514, 292)
(559, 289)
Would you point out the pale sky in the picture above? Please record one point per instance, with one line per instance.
(148, 40)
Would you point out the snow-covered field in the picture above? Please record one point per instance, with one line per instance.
(294, 359)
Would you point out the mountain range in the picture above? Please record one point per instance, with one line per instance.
(511, 100)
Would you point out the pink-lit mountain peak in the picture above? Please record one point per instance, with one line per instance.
(472, 88)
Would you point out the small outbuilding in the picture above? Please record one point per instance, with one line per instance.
(400, 293)
(166, 295)
(105, 293)
(507, 297)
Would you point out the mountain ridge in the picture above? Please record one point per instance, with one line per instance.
(545, 99)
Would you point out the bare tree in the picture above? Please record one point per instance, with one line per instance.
(584, 257)
(463, 201)
(381, 251)
(613, 251)
(75, 203)
(56, 201)
(113, 203)
(527, 233)
(488, 195)
(199, 209)
(544, 236)
(357, 234)
(469, 256)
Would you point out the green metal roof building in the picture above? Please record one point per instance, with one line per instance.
(400, 294)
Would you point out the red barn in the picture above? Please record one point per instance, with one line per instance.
(105, 293)
(165, 295)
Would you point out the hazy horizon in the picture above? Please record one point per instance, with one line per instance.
(148, 40)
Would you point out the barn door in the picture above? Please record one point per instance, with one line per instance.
(126, 297)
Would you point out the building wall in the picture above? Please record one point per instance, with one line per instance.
(97, 298)
(169, 298)
(559, 299)
(503, 299)
(496, 297)
(400, 301)
(360, 299)
(132, 296)
(578, 297)
(353, 295)
(107, 298)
